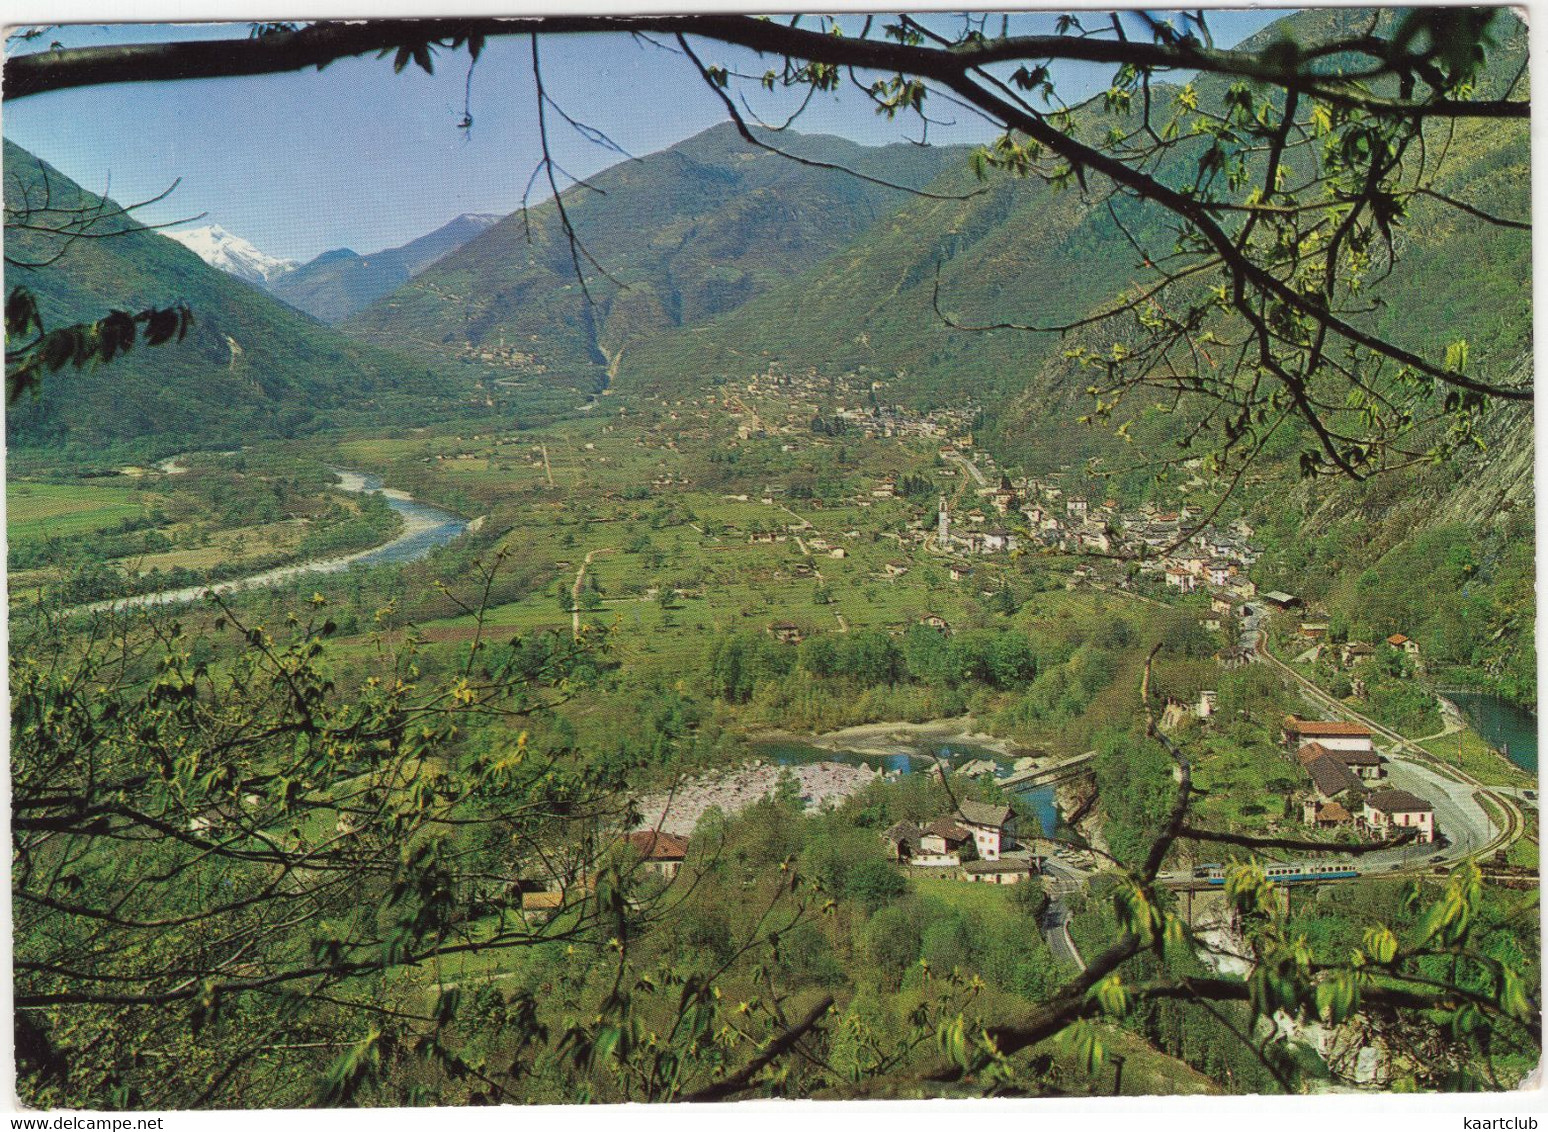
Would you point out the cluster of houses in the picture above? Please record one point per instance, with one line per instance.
(544, 888)
(977, 841)
(1341, 762)
(896, 421)
(975, 537)
(1350, 655)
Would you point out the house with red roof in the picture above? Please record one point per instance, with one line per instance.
(1335, 735)
(662, 853)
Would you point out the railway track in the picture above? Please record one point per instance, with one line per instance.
(1513, 823)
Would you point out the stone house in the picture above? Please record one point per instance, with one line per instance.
(1388, 811)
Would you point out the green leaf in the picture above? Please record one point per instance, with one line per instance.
(1381, 944)
(1337, 996)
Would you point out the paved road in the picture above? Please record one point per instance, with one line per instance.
(1060, 881)
(970, 467)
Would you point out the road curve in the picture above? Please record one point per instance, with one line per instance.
(1495, 835)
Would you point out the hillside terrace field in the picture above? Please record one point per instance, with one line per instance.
(683, 533)
(636, 500)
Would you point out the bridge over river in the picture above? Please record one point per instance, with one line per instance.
(1048, 775)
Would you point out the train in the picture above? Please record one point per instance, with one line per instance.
(1295, 873)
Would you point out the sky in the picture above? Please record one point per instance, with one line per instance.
(357, 156)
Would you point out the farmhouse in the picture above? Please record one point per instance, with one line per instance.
(1366, 764)
(1006, 870)
(1005, 496)
(1354, 651)
(936, 845)
(1330, 777)
(1325, 815)
(786, 632)
(990, 825)
(1335, 735)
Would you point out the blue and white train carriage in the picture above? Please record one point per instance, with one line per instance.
(1283, 873)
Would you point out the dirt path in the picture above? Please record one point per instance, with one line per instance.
(580, 576)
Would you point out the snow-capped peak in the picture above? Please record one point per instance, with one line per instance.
(219, 248)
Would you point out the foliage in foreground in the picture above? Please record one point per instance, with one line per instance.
(239, 884)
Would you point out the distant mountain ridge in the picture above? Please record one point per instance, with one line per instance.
(231, 253)
(341, 282)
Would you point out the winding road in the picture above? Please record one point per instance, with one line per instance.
(1461, 801)
(1060, 881)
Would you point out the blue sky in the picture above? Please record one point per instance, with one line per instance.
(356, 156)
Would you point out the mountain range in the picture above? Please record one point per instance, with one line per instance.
(716, 258)
(675, 239)
(251, 367)
(339, 282)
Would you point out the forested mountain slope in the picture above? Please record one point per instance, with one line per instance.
(1022, 252)
(250, 367)
(678, 237)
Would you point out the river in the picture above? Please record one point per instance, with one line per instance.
(1504, 725)
(424, 528)
(788, 751)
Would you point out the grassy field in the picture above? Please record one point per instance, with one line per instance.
(1243, 785)
(1467, 751)
(35, 511)
(985, 899)
(1527, 851)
